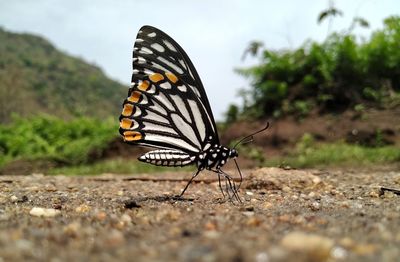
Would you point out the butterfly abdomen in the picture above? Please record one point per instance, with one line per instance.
(167, 158)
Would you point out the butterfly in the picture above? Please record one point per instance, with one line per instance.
(167, 109)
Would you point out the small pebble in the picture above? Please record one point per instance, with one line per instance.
(82, 208)
(115, 238)
(318, 248)
(374, 194)
(316, 180)
(311, 194)
(126, 219)
(339, 253)
(13, 199)
(248, 213)
(315, 206)
(44, 212)
(101, 215)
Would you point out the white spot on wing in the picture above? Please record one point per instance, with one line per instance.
(195, 90)
(151, 127)
(182, 88)
(144, 99)
(182, 63)
(138, 112)
(185, 129)
(153, 34)
(166, 85)
(159, 66)
(140, 60)
(153, 116)
(145, 50)
(158, 47)
(172, 65)
(157, 107)
(171, 141)
(164, 100)
(182, 107)
(198, 119)
(169, 45)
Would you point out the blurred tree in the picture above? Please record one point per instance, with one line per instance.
(231, 115)
(330, 14)
(254, 48)
(335, 75)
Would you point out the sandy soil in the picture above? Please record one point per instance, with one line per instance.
(286, 215)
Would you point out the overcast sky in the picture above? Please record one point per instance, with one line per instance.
(214, 33)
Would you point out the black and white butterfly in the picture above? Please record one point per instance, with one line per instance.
(167, 108)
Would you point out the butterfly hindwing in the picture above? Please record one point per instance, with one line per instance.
(167, 106)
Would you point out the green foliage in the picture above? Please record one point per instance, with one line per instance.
(308, 153)
(69, 142)
(232, 114)
(334, 75)
(116, 166)
(37, 78)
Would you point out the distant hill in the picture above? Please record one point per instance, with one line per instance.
(35, 77)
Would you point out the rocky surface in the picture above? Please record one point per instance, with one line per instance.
(285, 215)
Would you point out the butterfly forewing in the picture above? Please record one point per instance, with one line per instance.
(167, 106)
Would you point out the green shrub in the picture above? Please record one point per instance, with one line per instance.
(49, 137)
(338, 74)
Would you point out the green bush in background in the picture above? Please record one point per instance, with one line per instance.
(48, 137)
(335, 75)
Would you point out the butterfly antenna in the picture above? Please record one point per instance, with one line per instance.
(250, 138)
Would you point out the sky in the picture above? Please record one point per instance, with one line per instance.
(214, 33)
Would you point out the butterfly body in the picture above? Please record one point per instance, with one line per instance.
(215, 157)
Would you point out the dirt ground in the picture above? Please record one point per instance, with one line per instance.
(285, 215)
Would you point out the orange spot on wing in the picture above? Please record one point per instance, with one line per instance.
(134, 97)
(144, 86)
(126, 123)
(132, 136)
(128, 110)
(172, 77)
(156, 77)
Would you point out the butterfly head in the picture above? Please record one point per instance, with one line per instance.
(233, 153)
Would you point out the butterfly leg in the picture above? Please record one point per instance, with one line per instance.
(190, 181)
(219, 184)
(230, 186)
(240, 174)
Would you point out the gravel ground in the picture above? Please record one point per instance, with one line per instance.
(286, 215)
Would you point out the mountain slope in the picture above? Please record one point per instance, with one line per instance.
(37, 78)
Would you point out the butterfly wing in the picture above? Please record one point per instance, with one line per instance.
(167, 106)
